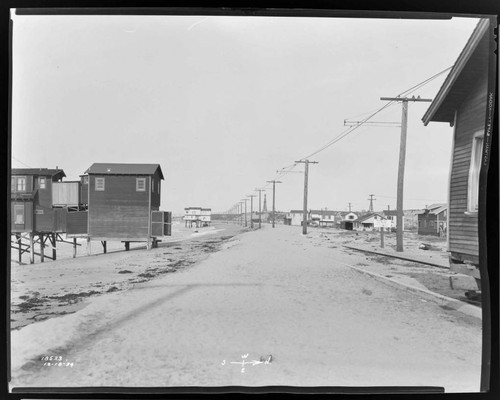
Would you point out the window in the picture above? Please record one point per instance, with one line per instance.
(99, 184)
(41, 182)
(140, 184)
(18, 184)
(86, 180)
(19, 214)
(475, 168)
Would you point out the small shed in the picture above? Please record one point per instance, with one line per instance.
(433, 220)
(121, 201)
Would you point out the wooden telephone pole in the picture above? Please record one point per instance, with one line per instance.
(260, 206)
(245, 200)
(251, 208)
(401, 167)
(274, 192)
(306, 173)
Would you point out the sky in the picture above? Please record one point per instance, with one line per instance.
(222, 103)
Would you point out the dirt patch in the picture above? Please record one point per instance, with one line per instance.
(125, 271)
(440, 284)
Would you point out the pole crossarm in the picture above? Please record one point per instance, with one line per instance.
(372, 123)
(413, 98)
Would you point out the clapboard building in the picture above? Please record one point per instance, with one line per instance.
(122, 199)
(462, 102)
(31, 201)
(433, 220)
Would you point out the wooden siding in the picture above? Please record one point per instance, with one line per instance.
(44, 195)
(65, 193)
(84, 193)
(462, 229)
(77, 223)
(50, 219)
(119, 211)
(155, 195)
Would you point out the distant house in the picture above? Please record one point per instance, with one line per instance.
(370, 221)
(433, 220)
(122, 201)
(197, 216)
(462, 102)
(32, 201)
(323, 218)
(391, 217)
(348, 220)
(410, 219)
(294, 217)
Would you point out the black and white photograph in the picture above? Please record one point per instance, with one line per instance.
(249, 200)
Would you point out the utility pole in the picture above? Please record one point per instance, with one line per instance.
(401, 167)
(274, 192)
(260, 206)
(241, 212)
(306, 173)
(371, 202)
(251, 208)
(245, 200)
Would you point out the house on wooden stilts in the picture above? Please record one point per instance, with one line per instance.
(33, 219)
(123, 204)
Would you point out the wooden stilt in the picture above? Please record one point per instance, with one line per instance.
(42, 245)
(104, 246)
(32, 249)
(74, 247)
(148, 244)
(89, 250)
(18, 237)
(127, 246)
(54, 250)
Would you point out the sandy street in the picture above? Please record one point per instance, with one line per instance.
(269, 292)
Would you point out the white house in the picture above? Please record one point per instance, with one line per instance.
(197, 216)
(323, 217)
(391, 216)
(371, 221)
(348, 220)
(295, 217)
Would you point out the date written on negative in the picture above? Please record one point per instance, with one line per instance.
(55, 361)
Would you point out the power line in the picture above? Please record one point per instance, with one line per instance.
(390, 103)
(19, 161)
(288, 169)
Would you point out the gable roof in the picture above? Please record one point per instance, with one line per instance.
(324, 212)
(471, 63)
(436, 209)
(124, 169)
(56, 172)
(391, 213)
(368, 216)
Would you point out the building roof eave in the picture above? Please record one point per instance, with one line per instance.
(455, 72)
